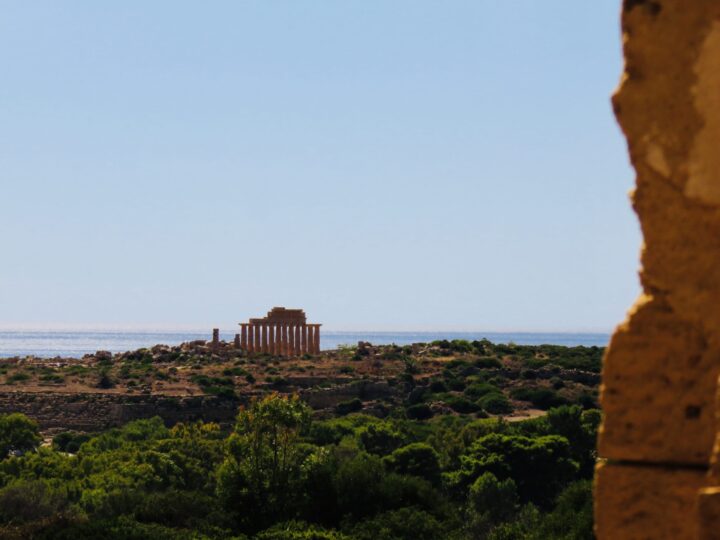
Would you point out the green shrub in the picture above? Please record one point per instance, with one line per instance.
(416, 459)
(476, 391)
(487, 362)
(542, 398)
(17, 377)
(350, 406)
(438, 386)
(379, 438)
(419, 411)
(461, 405)
(495, 404)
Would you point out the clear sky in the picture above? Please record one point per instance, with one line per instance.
(403, 164)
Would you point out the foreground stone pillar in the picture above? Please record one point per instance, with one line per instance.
(236, 342)
(660, 370)
(298, 343)
(243, 336)
(258, 341)
(264, 338)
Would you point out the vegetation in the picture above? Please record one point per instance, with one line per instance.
(280, 474)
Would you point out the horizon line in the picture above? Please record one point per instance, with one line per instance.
(195, 329)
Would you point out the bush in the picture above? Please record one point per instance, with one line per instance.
(438, 387)
(416, 459)
(350, 406)
(495, 404)
(542, 398)
(69, 441)
(17, 377)
(487, 362)
(17, 434)
(476, 391)
(461, 405)
(379, 438)
(421, 411)
(403, 524)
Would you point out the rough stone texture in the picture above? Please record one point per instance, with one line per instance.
(646, 503)
(656, 407)
(709, 513)
(660, 372)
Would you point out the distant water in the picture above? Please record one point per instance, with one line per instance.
(76, 344)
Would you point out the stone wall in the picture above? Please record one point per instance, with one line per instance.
(97, 411)
(661, 369)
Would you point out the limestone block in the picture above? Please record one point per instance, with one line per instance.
(709, 513)
(646, 503)
(658, 391)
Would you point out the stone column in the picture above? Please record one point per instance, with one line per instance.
(243, 336)
(283, 339)
(277, 339)
(304, 339)
(258, 343)
(264, 338)
(310, 346)
(316, 339)
(291, 339)
(251, 338)
(215, 339)
(298, 343)
(237, 341)
(271, 338)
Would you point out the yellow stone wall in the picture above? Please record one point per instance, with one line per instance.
(661, 368)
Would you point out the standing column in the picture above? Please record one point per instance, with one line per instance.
(291, 339)
(243, 336)
(310, 344)
(263, 338)
(284, 339)
(316, 339)
(236, 343)
(297, 347)
(271, 338)
(251, 338)
(304, 330)
(258, 343)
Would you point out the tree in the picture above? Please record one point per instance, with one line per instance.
(540, 466)
(416, 459)
(379, 438)
(490, 502)
(17, 434)
(264, 464)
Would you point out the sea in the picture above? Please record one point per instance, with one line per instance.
(49, 344)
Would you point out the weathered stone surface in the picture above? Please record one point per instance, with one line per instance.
(709, 513)
(646, 503)
(660, 371)
(657, 408)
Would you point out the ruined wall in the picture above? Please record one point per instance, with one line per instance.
(661, 369)
(95, 412)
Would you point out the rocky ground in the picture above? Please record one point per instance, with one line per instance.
(202, 380)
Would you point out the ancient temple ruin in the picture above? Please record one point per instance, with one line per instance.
(283, 332)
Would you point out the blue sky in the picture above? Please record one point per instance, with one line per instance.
(405, 164)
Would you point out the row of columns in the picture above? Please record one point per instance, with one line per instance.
(280, 339)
